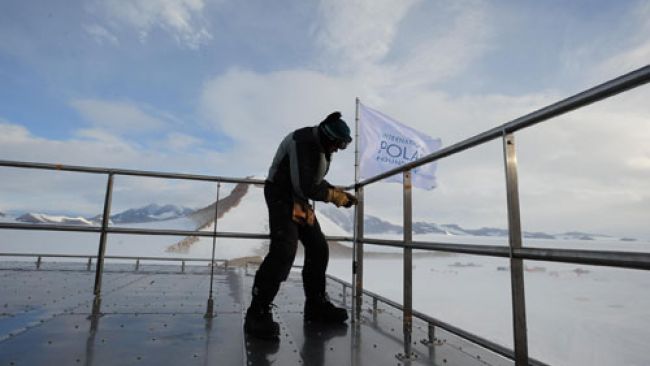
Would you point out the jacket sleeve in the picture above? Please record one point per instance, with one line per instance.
(304, 163)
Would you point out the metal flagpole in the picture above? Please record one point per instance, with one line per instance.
(357, 260)
(356, 142)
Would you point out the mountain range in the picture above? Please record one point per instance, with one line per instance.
(150, 213)
(373, 225)
(39, 218)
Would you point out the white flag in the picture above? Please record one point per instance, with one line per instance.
(386, 144)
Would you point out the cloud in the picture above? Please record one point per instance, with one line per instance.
(632, 51)
(284, 101)
(12, 133)
(118, 116)
(102, 146)
(453, 48)
(257, 110)
(359, 38)
(179, 141)
(181, 19)
(356, 35)
(626, 61)
(360, 32)
(82, 193)
(100, 34)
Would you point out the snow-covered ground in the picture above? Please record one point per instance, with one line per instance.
(577, 315)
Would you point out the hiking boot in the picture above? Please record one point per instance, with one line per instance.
(321, 310)
(259, 323)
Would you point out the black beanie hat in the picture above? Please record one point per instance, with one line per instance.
(335, 129)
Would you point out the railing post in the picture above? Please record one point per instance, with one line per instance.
(430, 342)
(431, 333)
(209, 311)
(89, 264)
(516, 264)
(408, 268)
(137, 264)
(357, 261)
(375, 309)
(102, 246)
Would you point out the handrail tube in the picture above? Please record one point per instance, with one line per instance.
(489, 250)
(46, 255)
(630, 260)
(130, 231)
(607, 89)
(339, 238)
(633, 260)
(164, 232)
(143, 231)
(171, 259)
(221, 234)
(127, 172)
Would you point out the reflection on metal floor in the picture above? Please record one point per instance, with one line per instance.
(154, 316)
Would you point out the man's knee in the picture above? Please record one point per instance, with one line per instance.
(281, 259)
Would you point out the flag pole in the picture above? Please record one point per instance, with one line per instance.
(357, 244)
(356, 174)
(356, 142)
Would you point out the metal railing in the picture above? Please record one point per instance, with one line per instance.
(104, 229)
(515, 252)
(39, 259)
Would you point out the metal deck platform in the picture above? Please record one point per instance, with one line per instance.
(155, 316)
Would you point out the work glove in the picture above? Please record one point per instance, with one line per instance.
(341, 198)
(303, 214)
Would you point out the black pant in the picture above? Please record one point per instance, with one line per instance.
(282, 251)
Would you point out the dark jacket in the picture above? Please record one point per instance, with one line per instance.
(299, 167)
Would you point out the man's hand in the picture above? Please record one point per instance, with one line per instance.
(303, 214)
(352, 199)
(341, 198)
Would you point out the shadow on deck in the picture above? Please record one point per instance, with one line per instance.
(155, 316)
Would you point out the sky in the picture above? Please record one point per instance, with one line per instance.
(212, 86)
